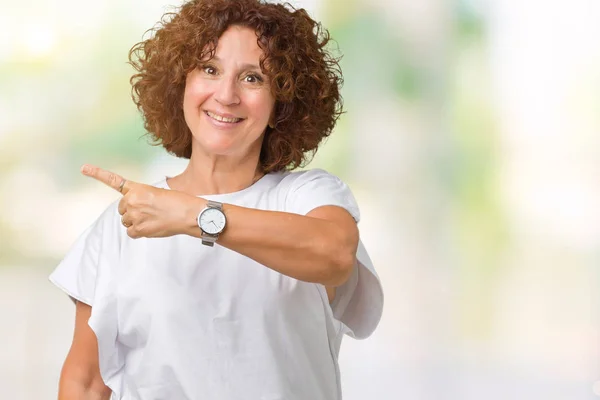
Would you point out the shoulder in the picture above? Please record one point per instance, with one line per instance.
(307, 190)
(296, 179)
(160, 183)
(107, 225)
(111, 213)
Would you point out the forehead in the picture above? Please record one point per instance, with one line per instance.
(239, 43)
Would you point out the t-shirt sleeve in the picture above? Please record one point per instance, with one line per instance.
(77, 273)
(358, 303)
(87, 274)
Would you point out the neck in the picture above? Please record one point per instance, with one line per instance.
(217, 175)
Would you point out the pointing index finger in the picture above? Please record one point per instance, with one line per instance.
(110, 179)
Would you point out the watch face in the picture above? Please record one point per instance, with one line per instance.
(212, 221)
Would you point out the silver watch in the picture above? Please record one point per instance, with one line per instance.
(211, 221)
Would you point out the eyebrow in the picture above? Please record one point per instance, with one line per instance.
(244, 66)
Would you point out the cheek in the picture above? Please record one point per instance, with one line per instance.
(195, 93)
(262, 105)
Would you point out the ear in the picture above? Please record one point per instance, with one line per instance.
(272, 119)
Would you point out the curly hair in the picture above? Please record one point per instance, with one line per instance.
(305, 78)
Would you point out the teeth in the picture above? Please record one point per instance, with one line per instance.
(222, 119)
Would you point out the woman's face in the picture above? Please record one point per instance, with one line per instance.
(227, 101)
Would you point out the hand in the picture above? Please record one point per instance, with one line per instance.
(148, 211)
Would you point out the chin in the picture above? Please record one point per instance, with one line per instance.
(217, 144)
(218, 147)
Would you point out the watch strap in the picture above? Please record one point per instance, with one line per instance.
(214, 204)
(208, 240)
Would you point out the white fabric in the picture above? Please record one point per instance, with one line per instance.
(178, 320)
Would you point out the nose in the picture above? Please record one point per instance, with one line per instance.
(226, 92)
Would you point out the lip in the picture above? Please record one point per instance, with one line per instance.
(224, 115)
(219, 124)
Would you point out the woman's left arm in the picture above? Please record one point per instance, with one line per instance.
(319, 247)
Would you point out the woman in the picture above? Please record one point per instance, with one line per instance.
(237, 278)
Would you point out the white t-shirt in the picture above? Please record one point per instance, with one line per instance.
(178, 320)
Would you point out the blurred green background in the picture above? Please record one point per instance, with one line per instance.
(471, 141)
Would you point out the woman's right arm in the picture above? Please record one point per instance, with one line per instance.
(80, 376)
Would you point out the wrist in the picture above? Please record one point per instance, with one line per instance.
(212, 222)
(190, 225)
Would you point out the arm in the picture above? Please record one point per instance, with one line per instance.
(319, 247)
(80, 376)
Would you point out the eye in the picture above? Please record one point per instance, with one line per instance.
(253, 78)
(209, 69)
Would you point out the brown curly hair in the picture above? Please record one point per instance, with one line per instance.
(305, 78)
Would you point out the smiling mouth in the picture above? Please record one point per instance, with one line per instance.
(219, 118)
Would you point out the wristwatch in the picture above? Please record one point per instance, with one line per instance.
(211, 221)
